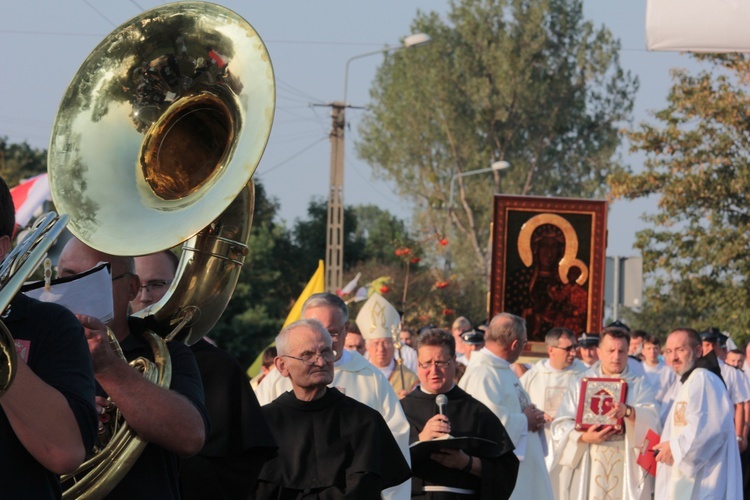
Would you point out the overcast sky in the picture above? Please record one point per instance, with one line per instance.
(309, 41)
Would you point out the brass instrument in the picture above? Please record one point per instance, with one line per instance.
(15, 269)
(155, 142)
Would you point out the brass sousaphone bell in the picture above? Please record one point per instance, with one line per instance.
(155, 142)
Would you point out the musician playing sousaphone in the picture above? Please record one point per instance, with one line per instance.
(455, 468)
(597, 433)
(173, 420)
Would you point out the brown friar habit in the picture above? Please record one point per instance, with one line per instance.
(468, 418)
(330, 448)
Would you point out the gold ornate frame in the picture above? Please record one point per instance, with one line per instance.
(584, 226)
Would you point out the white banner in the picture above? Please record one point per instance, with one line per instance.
(698, 25)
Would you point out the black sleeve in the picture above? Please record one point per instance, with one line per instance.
(62, 360)
(186, 378)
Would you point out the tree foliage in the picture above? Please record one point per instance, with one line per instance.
(526, 81)
(698, 164)
(20, 161)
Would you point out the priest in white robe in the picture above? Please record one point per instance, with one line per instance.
(353, 375)
(600, 463)
(489, 379)
(698, 455)
(549, 379)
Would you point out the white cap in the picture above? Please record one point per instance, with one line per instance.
(377, 318)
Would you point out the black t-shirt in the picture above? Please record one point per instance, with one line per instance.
(51, 341)
(154, 475)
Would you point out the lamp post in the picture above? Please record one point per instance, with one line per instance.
(496, 166)
(335, 224)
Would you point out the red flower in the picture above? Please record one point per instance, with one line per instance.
(442, 284)
(400, 252)
(447, 312)
(443, 242)
(415, 260)
(385, 289)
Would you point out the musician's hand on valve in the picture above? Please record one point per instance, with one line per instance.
(437, 426)
(102, 354)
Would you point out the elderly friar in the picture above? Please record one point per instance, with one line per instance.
(330, 446)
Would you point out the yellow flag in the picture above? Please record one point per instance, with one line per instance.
(315, 285)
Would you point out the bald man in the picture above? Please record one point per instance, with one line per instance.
(173, 420)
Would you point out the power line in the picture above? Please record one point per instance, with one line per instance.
(100, 13)
(271, 169)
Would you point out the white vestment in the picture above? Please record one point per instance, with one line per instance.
(491, 381)
(662, 377)
(354, 376)
(700, 431)
(609, 469)
(546, 387)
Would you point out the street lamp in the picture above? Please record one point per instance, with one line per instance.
(335, 224)
(496, 166)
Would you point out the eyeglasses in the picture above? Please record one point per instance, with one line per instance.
(570, 348)
(123, 275)
(156, 286)
(437, 364)
(310, 358)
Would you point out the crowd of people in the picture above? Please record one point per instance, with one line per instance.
(365, 408)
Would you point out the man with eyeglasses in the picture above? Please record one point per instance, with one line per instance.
(353, 375)
(601, 462)
(330, 446)
(455, 472)
(173, 420)
(156, 272)
(240, 441)
(489, 379)
(548, 379)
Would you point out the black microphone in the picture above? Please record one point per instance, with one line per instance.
(442, 403)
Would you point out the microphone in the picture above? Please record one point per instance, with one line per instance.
(442, 403)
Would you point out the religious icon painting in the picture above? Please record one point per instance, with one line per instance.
(548, 262)
(598, 397)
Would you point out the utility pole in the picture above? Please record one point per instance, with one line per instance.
(335, 227)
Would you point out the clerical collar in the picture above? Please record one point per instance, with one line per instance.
(343, 359)
(494, 356)
(428, 392)
(709, 362)
(387, 370)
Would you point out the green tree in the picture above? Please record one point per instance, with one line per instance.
(527, 81)
(696, 252)
(309, 236)
(381, 232)
(20, 161)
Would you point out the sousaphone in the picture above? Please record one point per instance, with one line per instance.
(155, 143)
